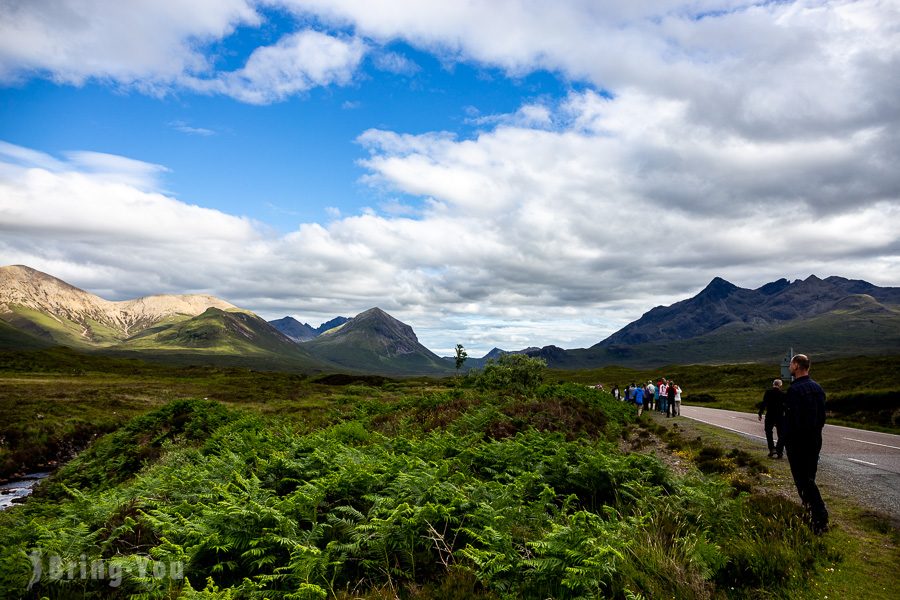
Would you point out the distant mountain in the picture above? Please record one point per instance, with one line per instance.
(473, 362)
(294, 329)
(493, 355)
(723, 304)
(52, 310)
(303, 332)
(38, 310)
(332, 324)
(215, 331)
(724, 323)
(376, 342)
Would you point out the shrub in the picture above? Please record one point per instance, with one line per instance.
(516, 373)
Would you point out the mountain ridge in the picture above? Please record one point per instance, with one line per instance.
(722, 303)
(374, 341)
(721, 323)
(303, 332)
(102, 321)
(38, 310)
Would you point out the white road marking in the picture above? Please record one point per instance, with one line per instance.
(863, 462)
(728, 428)
(873, 443)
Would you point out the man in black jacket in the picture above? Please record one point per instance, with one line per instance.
(773, 406)
(804, 418)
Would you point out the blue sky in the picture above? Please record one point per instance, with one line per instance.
(496, 174)
(279, 163)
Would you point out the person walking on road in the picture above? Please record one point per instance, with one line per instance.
(773, 406)
(804, 418)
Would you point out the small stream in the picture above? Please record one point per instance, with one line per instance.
(17, 490)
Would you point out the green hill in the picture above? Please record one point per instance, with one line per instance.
(375, 342)
(218, 334)
(12, 338)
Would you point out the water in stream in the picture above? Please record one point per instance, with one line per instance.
(19, 489)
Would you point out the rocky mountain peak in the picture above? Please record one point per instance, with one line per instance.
(718, 288)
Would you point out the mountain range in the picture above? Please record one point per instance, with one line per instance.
(725, 323)
(722, 323)
(38, 310)
(303, 332)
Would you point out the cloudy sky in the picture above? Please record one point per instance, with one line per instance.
(495, 173)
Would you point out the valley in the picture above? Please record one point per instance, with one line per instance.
(261, 458)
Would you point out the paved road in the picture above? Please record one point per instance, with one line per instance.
(866, 463)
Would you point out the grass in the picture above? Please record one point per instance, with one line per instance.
(53, 403)
(861, 391)
(365, 486)
(863, 547)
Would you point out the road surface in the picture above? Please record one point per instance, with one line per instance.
(864, 463)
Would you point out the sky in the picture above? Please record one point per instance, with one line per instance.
(496, 173)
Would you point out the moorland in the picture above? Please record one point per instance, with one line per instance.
(509, 482)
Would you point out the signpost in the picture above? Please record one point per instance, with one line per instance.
(786, 366)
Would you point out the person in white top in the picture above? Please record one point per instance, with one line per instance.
(677, 400)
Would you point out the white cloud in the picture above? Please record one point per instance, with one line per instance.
(739, 139)
(764, 69)
(143, 42)
(297, 63)
(394, 62)
(552, 233)
(158, 46)
(185, 127)
(114, 169)
(107, 200)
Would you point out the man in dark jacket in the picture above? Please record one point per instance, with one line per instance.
(773, 406)
(670, 399)
(804, 418)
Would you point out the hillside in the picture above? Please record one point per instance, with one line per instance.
(38, 310)
(829, 318)
(214, 331)
(723, 304)
(374, 341)
(294, 329)
(557, 492)
(53, 310)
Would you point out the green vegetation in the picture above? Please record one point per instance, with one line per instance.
(43, 326)
(514, 372)
(54, 402)
(496, 485)
(864, 546)
(861, 391)
(854, 326)
(460, 357)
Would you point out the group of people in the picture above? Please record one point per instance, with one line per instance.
(798, 417)
(663, 396)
